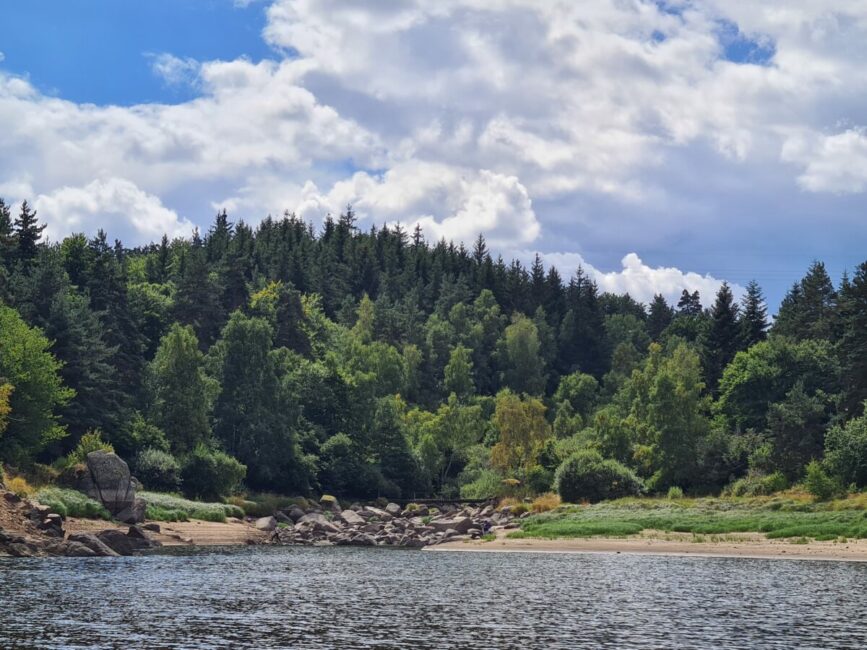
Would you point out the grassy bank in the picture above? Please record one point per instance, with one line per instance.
(783, 516)
(168, 507)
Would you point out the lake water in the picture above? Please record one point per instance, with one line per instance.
(267, 597)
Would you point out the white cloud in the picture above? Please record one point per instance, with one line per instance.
(114, 204)
(832, 163)
(173, 70)
(641, 281)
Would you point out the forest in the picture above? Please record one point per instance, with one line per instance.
(365, 363)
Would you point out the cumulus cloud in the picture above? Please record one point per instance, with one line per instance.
(114, 204)
(607, 126)
(641, 281)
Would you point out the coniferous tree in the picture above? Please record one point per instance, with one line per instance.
(723, 338)
(660, 317)
(853, 340)
(754, 316)
(809, 309)
(28, 233)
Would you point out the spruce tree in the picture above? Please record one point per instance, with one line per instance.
(723, 337)
(754, 316)
(660, 317)
(853, 340)
(28, 232)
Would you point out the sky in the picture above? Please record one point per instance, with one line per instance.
(662, 145)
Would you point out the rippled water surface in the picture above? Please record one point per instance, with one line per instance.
(380, 598)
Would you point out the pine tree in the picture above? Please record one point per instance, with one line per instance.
(7, 236)
(28, 232)
(723, 337)
(689, 304)
(754, 316)
(809, 309)
(853, 340)
(660, 317)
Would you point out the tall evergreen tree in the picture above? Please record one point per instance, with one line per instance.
(853, 340)
(660, 317)
(809, 309)
(754, 316)
(28, 233)
(723, 338)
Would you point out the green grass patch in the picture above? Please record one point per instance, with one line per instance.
(777, 517)
(71, 503)
(170, 507)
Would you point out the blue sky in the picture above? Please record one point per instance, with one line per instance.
(661, 145)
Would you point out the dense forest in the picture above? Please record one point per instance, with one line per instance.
(372, 363)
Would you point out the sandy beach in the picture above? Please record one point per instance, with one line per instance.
(745, 545)
(182, 533)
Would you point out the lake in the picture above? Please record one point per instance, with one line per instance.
(291, 597)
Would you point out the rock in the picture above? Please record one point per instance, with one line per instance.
(295, 513)
(154, 528)
(487, 511)
(393, 509)
(313, 517)
(376, 512)
(329, 502)
(266, 523)
(351, 518)
(17, 549)
(134, 515)
(95, 545)
(108, 481)
(460, 524)
(77, 549)
(363, 539)
(282, 518)
(11, 497)
(125, 544)
(475, 533)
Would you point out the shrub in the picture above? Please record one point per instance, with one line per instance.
(266, 503)
(756, 484)
(71, 503)
(675, 492)
(211, 474)
(818, 483)
(90, 441)
(486, 485)
(539, 479)
(20, 486)
(168, 507)
(158, 470)
(846, 451)
(545, 502)
(586, 476)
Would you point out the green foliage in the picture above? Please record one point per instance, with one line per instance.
(757, 484)
(169, 507)
(71, 503)
(459, 372)
(90, 442)
(210, 474)
(818, 483)
(846, 451)
(586, 476)
(158, 470)
(674, 492)
(36, 393)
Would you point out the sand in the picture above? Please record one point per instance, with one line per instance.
(187, 533)
(745, 545)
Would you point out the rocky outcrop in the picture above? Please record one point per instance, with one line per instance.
(133, 541)
(392, 525)
(108, 481)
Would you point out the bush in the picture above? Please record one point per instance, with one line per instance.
(168, 507)
(545, 502)
(20, 486)
(90, 441)
(675, 492)
(211, 474)
(71, 503)
(267, 503)
(539, 479)
(486, 485)
(818, 483)
(158, 470)
(756, 484)
(586, 476)
(846, 451)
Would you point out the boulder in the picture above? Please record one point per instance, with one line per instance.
(125, 544)
(351, 518)
(283, 518)
(295, 513)
(154, 528)
(328, 502)
(376, 512)
(460, 524)
(91, 542)
(266, 523)
(135, 514)
(393, 509)
(108, 481)
(77, 549)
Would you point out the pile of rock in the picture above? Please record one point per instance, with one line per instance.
(415, 526)
(106, 478)
(34, 531)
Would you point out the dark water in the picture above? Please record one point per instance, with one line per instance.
(379, 598)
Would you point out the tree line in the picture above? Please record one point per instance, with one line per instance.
(368, 363)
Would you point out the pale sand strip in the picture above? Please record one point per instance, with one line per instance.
(741, 545)
(186, 533)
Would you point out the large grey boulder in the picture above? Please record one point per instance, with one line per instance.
(393, 509)
(91, 542)
(126, 544)
(266, 523)
(108, 481)
(459, 524)
(352, 518)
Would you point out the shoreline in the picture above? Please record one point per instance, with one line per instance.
(746, 546)
(182, 533)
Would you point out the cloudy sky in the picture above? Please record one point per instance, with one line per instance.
(662, 145)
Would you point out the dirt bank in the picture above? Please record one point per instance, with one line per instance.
(187, 533)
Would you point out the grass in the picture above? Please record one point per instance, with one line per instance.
(71, 503)
(20, 486)
(789, 515)
(169, 507)
(545, 502)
